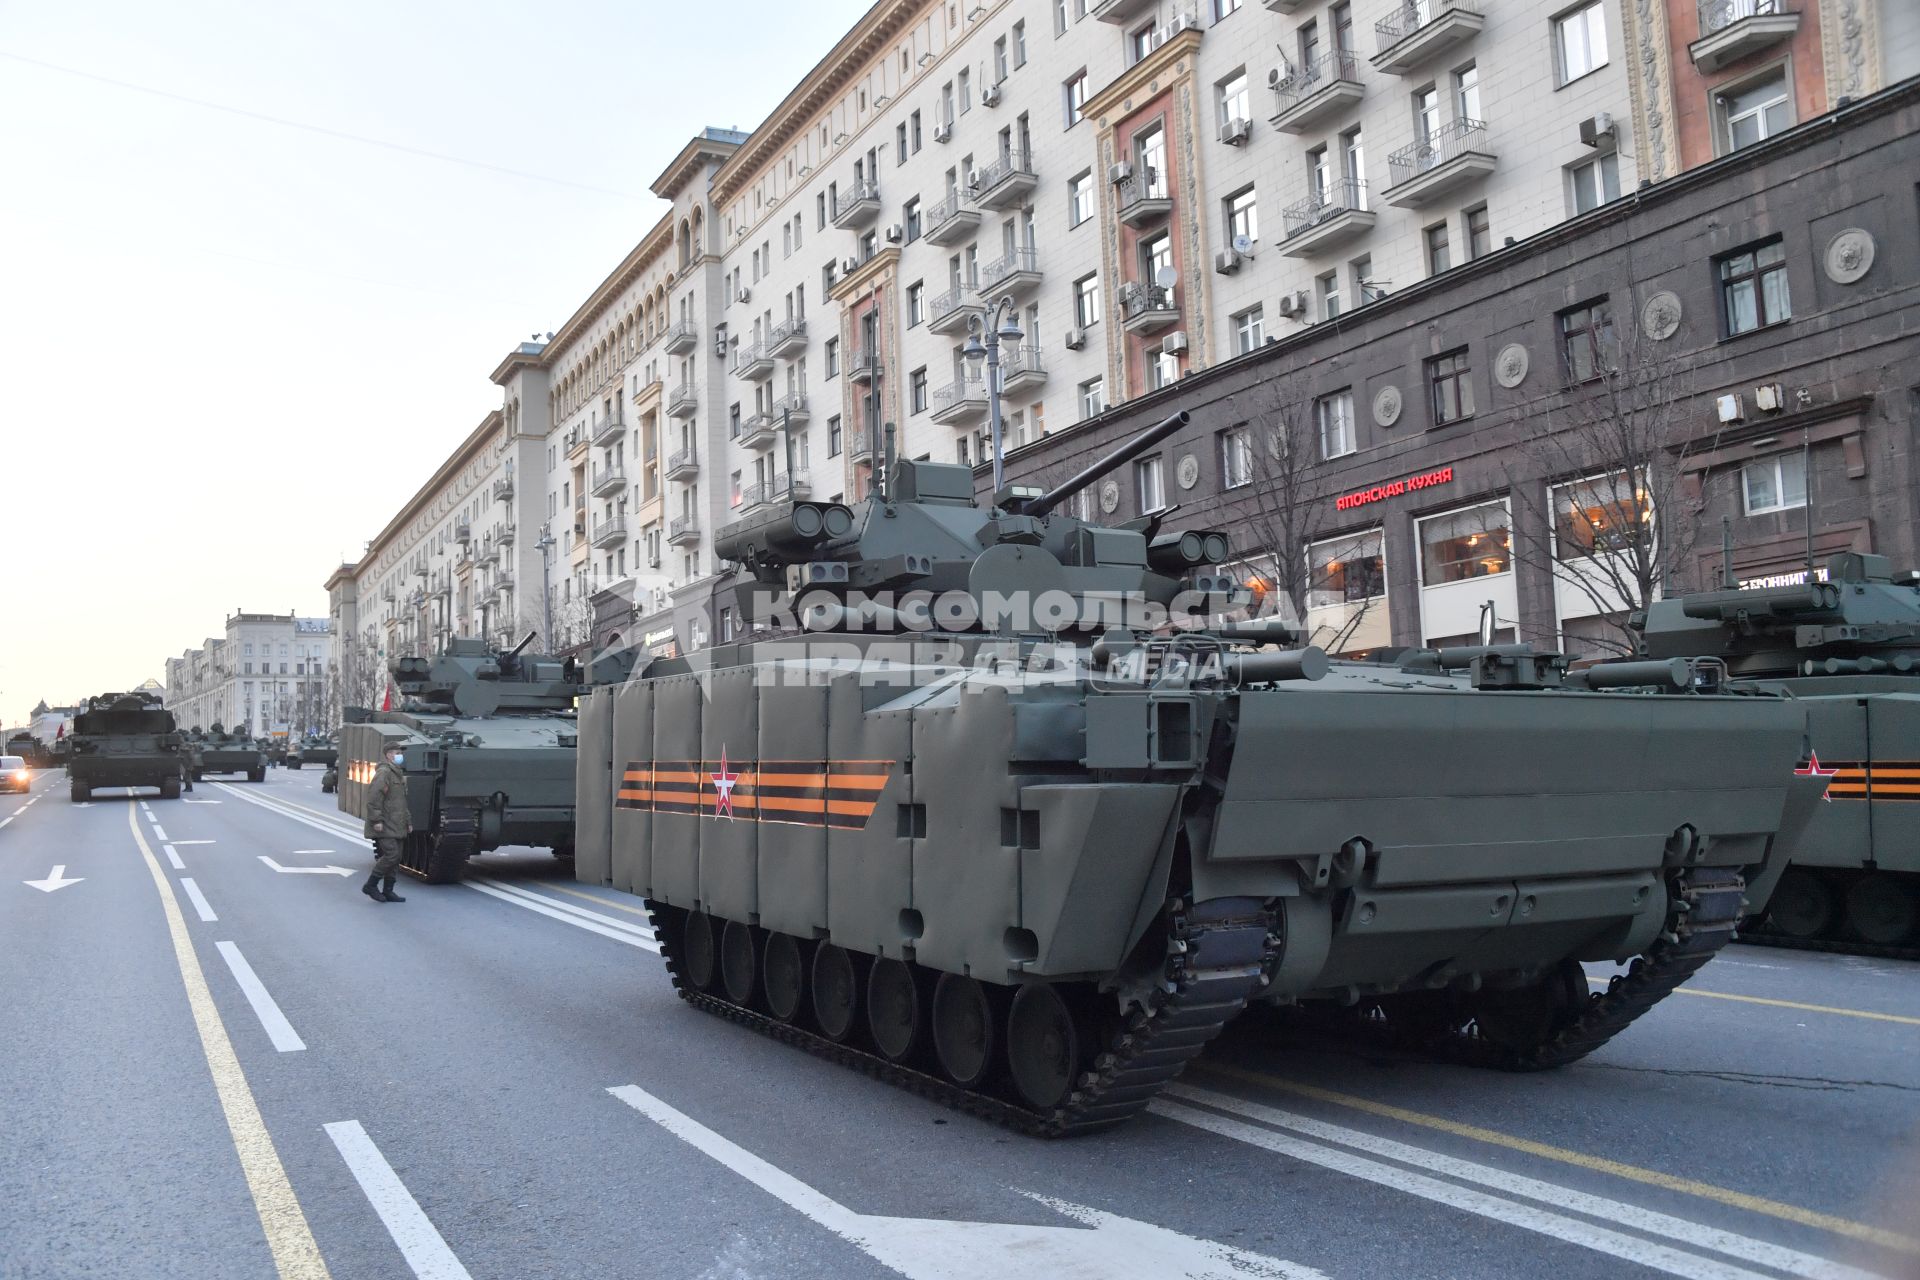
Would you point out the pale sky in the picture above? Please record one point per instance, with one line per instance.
(231, 348)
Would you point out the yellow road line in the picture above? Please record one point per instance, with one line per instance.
(1597, 1164)
(295, 1255)
(1787, 1004)
(590, 897)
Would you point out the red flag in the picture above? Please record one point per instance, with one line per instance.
(386, 701)
(61, 732)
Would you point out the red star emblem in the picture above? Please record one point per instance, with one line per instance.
(723, 787)
(1812, 769)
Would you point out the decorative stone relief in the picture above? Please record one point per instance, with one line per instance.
(1649, 70)
(1187, 471)
(1510, 367)
(1110, 496)
(1386, 406)
(1660, 317)
(1849, 256)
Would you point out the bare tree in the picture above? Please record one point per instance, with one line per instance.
(1607, 493)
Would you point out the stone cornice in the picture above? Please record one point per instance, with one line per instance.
(469, 449)
(642, 256)
(870, 273)
(1142, 75)
(681, 168)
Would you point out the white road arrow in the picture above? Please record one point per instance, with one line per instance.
(54, 880)
(306, 871)
(1106, 1247)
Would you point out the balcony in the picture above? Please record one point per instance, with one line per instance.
(1454, 156)
(791, 488)
(948, 313)
(1021, 369)
(683, 464)
(1734, 29)
(757, 494)
(791, 410)
(863, 367)
(1147, 308)
(502, 584)
(859, 447)
(684, 400)
(610, 533)
(757, 431)
(609, 480)
(753, 363)
(505, 536)
(1016, 273)
(1143, 201)
(684, 531)
(856, 207)
(1322, 221)
(960, 403)
(788, 338)
(950, 221)
(1423, 29)
(503, 488)
(1005, 181)
(682, 337)
(606, 433)
(463, 532)
(1122, 10)
(1317, 92)
(577, 441)
(1286, 6)
(489, 553)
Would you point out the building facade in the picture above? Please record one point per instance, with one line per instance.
(269, 672)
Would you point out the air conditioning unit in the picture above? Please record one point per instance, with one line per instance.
(1226, 262)
(1076, 339)
(973, 179)
(896, 233)
(1181, 22)
(1597, 130)
(653, 562)
(743, 294)
(1769, 398)
(943, 132)
(1176, 343)
(849, 265)
(990, 96)
(1294, 305)
(1729, 408)
(1235, 131)
(1118, 173)
(720, 342)
(1280, 77)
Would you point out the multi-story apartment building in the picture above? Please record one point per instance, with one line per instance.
(268, 672)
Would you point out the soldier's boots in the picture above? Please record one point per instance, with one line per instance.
(387, 894)
(372, 887)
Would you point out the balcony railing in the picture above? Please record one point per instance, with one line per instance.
(1463, 141)
(1347, 196)
(1732, 30)
(949, 221)
(684, 529)
(1020, 269)
(503, 489)
(1718, 15)
(463, 532)
(611, 531)
(948, 313)
(683, 464)
(1021, 368)
(1005, 179)
(682, 337)
(605, 433)
(609, 480)
(960, 401)
(753, 362)
(863, 366)
(788, 337)
(791, 409)
(684, 400)
(1417, 29)
(1142, 197)
(1140, 300)
(757, 430)
(1317, 89)
(857, 206)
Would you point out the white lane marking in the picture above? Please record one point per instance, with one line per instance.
(604, 930)
(328, 870)
(337, 829)
(199, 802)
(198, 899)
(520, 891)
(1105, 1247)
(145, 807)
(194, 842)
(421, 1244)
(159, 833)
(278, 1029)
(56, 880)
(174, 858)
(300, 851)
(1634, 1249)
(1697, 1234)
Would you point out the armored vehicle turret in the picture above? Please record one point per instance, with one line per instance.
(125, 740)
(224, 750)
(490, 756)
(1016, 808)
(314, 748)
(1848, 647)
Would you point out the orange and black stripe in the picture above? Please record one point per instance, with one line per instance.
(1874, 780)
(833, 793)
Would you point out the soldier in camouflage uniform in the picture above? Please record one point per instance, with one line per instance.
(388, 823)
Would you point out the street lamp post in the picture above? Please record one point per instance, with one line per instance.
(1000, 323)
(545, 546)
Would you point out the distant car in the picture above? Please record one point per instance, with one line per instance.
(14, 774)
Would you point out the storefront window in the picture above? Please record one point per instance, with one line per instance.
(1346, 570)
(1474, 543)
(1602, 516)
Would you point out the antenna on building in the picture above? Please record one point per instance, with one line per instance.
(1806, 471)
(1726, 552)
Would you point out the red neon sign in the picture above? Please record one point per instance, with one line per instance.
(1392, 489)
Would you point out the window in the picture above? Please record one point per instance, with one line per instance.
(1753, 288)
(1156, 255)
(833, 436)
(918, 136)
(1221, 8)
(917, 390)
(832, 357)
(1093, 397)
(1594, 183)
(900, 140)
(1466, 92)
(1450, 383)
(1778, 483)
(1474, 543)
(1580, 38)
(1754, 112)
(1479, 233)
(1236, 457)
(910, 219)
(1150, 161)
(1149, 484)
(916, 303)
(1074, 96)
(1000, 67)
(1059, 17)
(1164, 371)
(1079, 198)
(1364, 288)
(1601, 516)
(1019, 44)
(965, 81)
(1586, 339)
(1333, 418)
(1426, 118)
(1243, 215)
(1234, 103)
(1086, 300)
(1346, 570)
(1328, 287)
(1438, 256)
(1247, 330)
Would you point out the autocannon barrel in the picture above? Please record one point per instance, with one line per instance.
(1119, 457)
(1309, 663)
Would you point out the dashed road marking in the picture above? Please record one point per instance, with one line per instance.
(173, 857)
(420, 1242)
(275, 1023)
(159, 832)
(198, 899)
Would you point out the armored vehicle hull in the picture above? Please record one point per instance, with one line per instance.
(232, 755)
(125, 740)
(314, 750)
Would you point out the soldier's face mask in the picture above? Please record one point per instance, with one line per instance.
(398, 757)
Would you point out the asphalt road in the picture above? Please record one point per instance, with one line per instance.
(219, 1059)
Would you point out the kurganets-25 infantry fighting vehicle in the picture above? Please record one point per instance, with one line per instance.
(490, 753)
(1035, 859)
(230, 751)
(1849, 649)
(126, 740)
(315, 748)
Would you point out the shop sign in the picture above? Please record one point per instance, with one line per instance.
(1392, 489)
(1795, 579)
(652, 638)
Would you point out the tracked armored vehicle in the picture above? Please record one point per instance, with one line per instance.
(125, 740)
(1028, 832)
(1848, 648)
(490, 755)
(315, 748)
(231, 751)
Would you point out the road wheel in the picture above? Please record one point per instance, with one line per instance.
(1524, 1018)
(1043, 1046)
(445, 861)
(963, 1029)
(1802, 904)
(783, 973)
(702, 962)
(1880, 908)
(836, 991)
(895, 1016)
(739, 963)
(169, 788)
(80, 792)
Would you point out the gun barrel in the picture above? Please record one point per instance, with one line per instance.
(1119, 457)
(521, 648)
